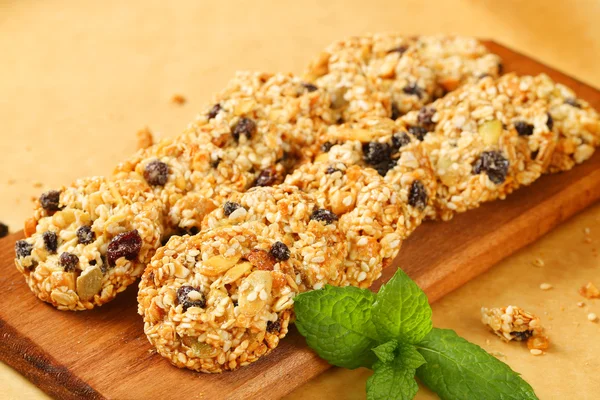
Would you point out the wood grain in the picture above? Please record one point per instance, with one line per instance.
(103, 353)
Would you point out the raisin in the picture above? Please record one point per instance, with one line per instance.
(417, 195)
(384, 166)
(340, 120)
(418, 131)
(395, 112)
(425, 117)
(3, 230)
(23, 249)
(572, 102)
(214, 111)
(183, 298)
(156, 173)
(330, 170)
(534, 154)
(215, 163)
(494, 164)
(325, 147)
(324, 216)
(273, 327)
(50, 200)
(68, 261)
(399, 140)
(523, 128)
(85, 235)
(266, 177)
(413, 89)
(399, 49)
(500, 68)
(522, 336)
(230, 207)
(246, 127)
(280, 251)
(126, 244)
(375, 152)
(50, 241)
(309, 87)
(549, 121)
(192, 231)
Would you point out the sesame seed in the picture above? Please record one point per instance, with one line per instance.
(546, 286)
(536, 352)
(592, 317)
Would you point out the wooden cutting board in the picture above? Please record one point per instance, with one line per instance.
(104, 354)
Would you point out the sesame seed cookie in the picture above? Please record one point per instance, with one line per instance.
(89, 241)
(209, 306)
(387, 75)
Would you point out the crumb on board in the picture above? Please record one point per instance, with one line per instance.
(546, 286)
(538, 262)
(145, 138)
(178, 99)
(592, 317)
(590, 291)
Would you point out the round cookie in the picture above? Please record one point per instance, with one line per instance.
(207, 307)
(318, 247)
(89, 241)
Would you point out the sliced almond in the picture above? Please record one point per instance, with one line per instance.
(490, 131)
(216, 265)
(447, 175)
(200, 350)
(237, 272)
(250, 301)
(89, 283)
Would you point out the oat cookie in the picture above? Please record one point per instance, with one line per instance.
(89, 241)
(387, 75)
(209, 306)
(311, 231)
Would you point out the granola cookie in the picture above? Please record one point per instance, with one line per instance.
(87, 242)
(387, 75)
(514, 323)
(208, 307)
(317, 246)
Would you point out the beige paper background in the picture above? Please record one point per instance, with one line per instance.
(78, 79)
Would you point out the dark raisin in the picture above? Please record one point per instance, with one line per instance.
(399, 49)
(156, 173)
(325, 147)
(425, 117)
(3, 230)
(572, 102)
(246, 127)
(383, 167)
(375, 152)
(523, 128)
(331, 169)
(126, 244)
(395, 112)
(522, 336)
(215, 163)
(50, 241)
(192, 231)
(324, 216)
(267, 177)
(413, 89)
(273, 327)
(280, 251)
(230, 207)
(23, 249)
(214, 111)
(85, 235)
(500, 68)
(309, 87)
(549, 121)
(494, 164)
(399, 140)
(68, 261)
(418, 131)
(417, 195)
(92, 262)
(484, 75)
(50, 200)
(183, 298)
(340, 120)
(534, 154)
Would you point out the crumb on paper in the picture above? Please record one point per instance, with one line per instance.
(587, 239)
(33, 199)
(144, 138)
(546, 286)
(590, 291)
(12, 181)
(592, 317)
(514, 323)
(178, 99)
(538, 262)
(586, 231)
(37, 184)
(580, 304)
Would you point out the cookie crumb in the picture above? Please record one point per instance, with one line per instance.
(536, 352)
(37, 184)
(592, 317)
(513, 323)
(538, 262)
(586, 231)
(12, 181)
(178, 99)
(590, 291)
(580, 304)
(144, 138)
(546, 286)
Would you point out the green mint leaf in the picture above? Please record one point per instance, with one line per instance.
(401, 310)
(385, 352)
(336, 323)
(395, 379)
(458, 369)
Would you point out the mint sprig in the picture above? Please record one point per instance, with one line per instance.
(391, 333)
